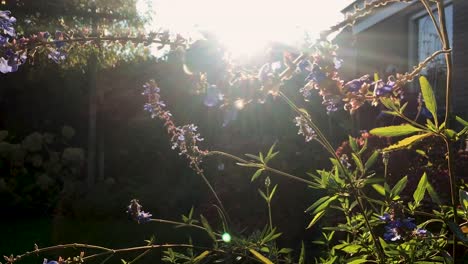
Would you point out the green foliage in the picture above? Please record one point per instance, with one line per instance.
(395, 131)
(428, 96)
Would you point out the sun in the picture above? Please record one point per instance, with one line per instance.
(245, 27)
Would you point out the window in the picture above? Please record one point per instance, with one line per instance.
(427, 43)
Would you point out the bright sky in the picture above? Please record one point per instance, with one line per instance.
(245, 26)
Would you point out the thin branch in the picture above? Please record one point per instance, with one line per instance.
(180, 224)
(265, 167)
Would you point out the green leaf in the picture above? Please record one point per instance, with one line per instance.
(353, 144)
(461, 121)
(376, 77)
(418, 194)
(458, 232)
(257, 174)
(207, 227)
(399, 186)
(451, 134)
(358, 261)
(358, 162)
(285, 251)
(257, 158)
(349, 248)
(315, 219)
(428, 96)
(317, 203)
(371, 161)
(263, 195)
(203, 255)
(407, 142)
(265, 249)
(379, 188)
(395, 131)
(260, 257)
(403, 107)
(273, 191)
(464, 200)
(325, 204)
(302, 255)
(393, 113)
(433, 194)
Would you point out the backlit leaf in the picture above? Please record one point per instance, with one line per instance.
(428, 96)
(395, 131)
(260, 257)
(407, 142)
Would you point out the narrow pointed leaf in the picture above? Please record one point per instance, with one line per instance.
(260, 257)
(317, 203)
(207, 227)
(418, 194)
(256, 174)
(433, 194)
(203, 255)
(379, 188)
(461, 121)
(263, 195)
(395, 131)
(358, 162)
(464, 200)
(325, 204)
(428, 96)
(371, 161)
(302, 255)
(315, 219)
(273, 191)
(399, 186)
(404, 143)
(353, 143)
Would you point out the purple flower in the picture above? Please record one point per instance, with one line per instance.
(11, 61)
(331, 102)
(6, 24)
(304, 128)
(50, 262)
(383, 89)
(135, 212)
(304, 65)
(316, 75)
(59, 43)
(149, 88)
(385, 217)
(57, 56)
(337, 62)
(356, 84)
(400, 228)
(391, 234)
(3, 40)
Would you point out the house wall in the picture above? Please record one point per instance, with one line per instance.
(388, 43)
(383, 45)
(460, 57)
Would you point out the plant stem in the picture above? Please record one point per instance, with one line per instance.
(215, 152)
(448, 60)
(326, 144)
(179, 224)
(269, 207)
(448, 106)
(200, 172)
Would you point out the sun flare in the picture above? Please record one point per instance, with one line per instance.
(245, 26)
